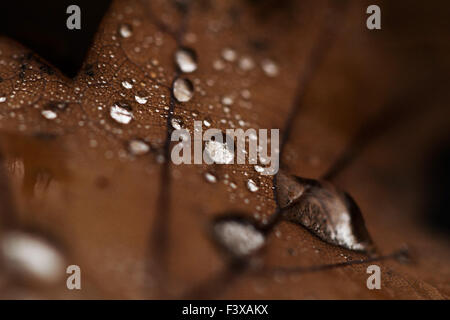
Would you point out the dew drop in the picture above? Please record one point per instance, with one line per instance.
(141, 97)
(229, 54)
(270, 68)
(138, 147)
(121, 113)
(219, 152)
(2, 99)
(49, 114)
(186, 60)
(238, 237)
(251, 185)
(326, 211)
(125, 30)
(258, 169)
(127, 85)
(227, 100)
(176, 123)
(210, 177)
(32, 257)
(183, 90)
(207, 122)
(246, 63)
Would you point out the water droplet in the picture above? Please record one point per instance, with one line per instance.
(238, 237)
(270, 68)
(183, 90)
(227, 100)
(32, 257)
(251, 185)
(258, 169)
(207, 122)
(127, 84)
(176, 123)
(219, 152)
(141, 97)
(229, 54)
(218, 65)
(138, 147)
(246, 63)
(2, 99)
(326, 211)
(125, 30)
(186, 60)
(121, 112)
(49, 114)
(210, 177)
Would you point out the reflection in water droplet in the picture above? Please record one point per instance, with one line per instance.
(121, 113)
(325, 210)
(186, 60)
(219, 152)
(251, 185)
(270, 68)
(183, 90)
(210, 177)
(31, 256)
(127, 85)
(138, 147)
(125, 30)
(49, 114)
(238, 237)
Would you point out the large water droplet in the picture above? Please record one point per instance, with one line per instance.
(2, 98)
(121, 112)
(31, 256)
(138, 147)
(186, 60)
(238, 236)
(183, 90)
(219, 152)
(325, 210)
(125, 30)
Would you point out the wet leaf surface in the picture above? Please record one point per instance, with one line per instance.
(87, 160)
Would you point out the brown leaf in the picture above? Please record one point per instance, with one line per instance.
(86, 160)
